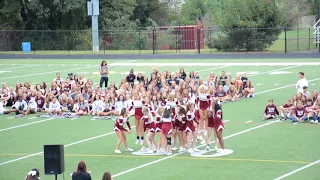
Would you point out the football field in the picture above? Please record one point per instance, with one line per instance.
(257, 149)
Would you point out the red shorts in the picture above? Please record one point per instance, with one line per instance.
(204, 105)
(152, 127)
(166, 128)
(116, 128)
(210, 122)
(138, 113)
(218, 125)
(159, 127)
(190, 127)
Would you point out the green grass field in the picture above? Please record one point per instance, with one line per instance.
(262, 150)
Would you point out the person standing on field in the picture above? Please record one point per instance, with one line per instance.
(301, 82)
(104, 71)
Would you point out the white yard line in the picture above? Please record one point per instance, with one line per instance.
(10, 117)
(67, 145)
(27, 124)
(32, 117)
(66, 70)
(297, 170)
(266, 72)
(248, 122)
(262, 92)
(162, 159)
(226, 121)
(212, 68)
(220, 64)
(20, 66)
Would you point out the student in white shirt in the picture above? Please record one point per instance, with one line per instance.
(4, 111)
(21, 106)
(54, 107)
(32, 106)
(301, 82)
(121, 103)
(97, 106)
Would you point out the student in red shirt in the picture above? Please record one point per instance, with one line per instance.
(270, 111)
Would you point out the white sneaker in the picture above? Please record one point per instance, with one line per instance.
(208, 148)
(142, 148)
(137, 141)
(169, 153)
(129, 149)
(316, 122)
(220, 150)
(248, 96)
(174, 149)
(117, 151)
(141, 142)
(196, 150)
(216, 148)
(312, 121)
(182, 150)
(150, 151)
(190, 150)
(203, 141)
(154, 147)
(253, 96)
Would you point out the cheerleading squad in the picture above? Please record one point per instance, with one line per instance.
(173, 121)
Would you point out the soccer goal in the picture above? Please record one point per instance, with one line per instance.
(316, 32)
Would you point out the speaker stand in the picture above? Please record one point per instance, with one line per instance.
(56, 176)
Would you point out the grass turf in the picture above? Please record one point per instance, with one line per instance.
(263, 153)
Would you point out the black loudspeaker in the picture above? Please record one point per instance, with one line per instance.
(53, 159)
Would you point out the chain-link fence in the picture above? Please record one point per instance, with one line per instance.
(177, 39)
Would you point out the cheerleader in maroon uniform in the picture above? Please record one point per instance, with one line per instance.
(150, 127)
(159, 122)
(203, 102)
(172, 103)
(210, 129)
(167, 128)
(218, 124)
(190, 129)
(137, 105)
(121, 130)
(180, 127)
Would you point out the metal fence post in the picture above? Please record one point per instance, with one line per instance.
(285, 40)
(309, 41)
(298, 38)
(139, 41)
(198, 39)
(153, 41)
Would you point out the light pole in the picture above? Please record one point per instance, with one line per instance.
(93, 11)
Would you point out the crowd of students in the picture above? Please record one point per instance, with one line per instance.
(190, 103)
(301, 107)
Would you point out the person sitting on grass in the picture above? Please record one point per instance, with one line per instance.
(299, 113)
(33, 175)
(32, 106)
(309, 108)
(81, 172)
(249, 89)
(21, 106)
(4, 111)
(270, 111)
(285, 110)
(221, 95)
(54, 107)
(107, 176)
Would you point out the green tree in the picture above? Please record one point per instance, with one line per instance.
(251, 25)
(193, 11)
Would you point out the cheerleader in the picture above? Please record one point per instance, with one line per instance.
(172, 102)
(121, 130)
(147, 103)
(203, 103)
(180, 125)
(137, 105)
(159, 122)
(190, 129)
(167, 128)
(218, 124)
(150, 127)
(210, 129)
